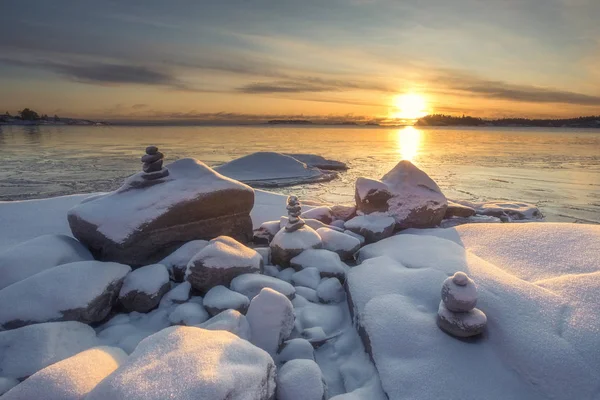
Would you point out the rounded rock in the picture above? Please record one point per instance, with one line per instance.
(151, 150)
(461, 324)
(459, 293)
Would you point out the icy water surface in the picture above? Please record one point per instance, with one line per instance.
(557, 169)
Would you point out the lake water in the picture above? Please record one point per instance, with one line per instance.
(556, 169)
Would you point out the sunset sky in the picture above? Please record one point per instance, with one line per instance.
(246, 59)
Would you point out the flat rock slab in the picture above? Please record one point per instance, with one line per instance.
(143, 221)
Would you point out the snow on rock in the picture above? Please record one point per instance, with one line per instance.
(6, 384)
(308, 277)
(143, 288)
(475, 219)
(177, 261)
(310, 222)
(270, 169)
(341, 243)
(373, 227)
(220, 261)
(327, 262)
(321, 213)
(37, 255)
(300, 380)
(271, 319)
(145, 220)
(265, 233)
(72, 378)
(307, 293)
(338, 223)
(313, 160)
(191, 363)
(287, 245)
(26, 350)
(296, 349)
(510, 211)
(286, 274)
(179, 294)
(229, 320)
(405, 193)
(271, 270)
(343, 212)
(188, 314)
(220, 298)
(360, 238)
(330, 290)
(251, 284)
(82, 291)
(458, 210)
(265, 253)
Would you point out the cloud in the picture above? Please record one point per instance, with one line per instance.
(311, 85)
(139, 106)
(114, 74)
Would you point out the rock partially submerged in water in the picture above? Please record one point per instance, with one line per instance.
(145, 220)
(270, 169)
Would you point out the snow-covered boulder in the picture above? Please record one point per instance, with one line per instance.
(251, 284)
(405, 193)
(265, 253)
(271, 319)
(177, 261)
(321, 213)
(220, 261)
(231, 321)
(296, 349)
(310, 222)
(373, 227)
(26, 350)
(308, 277)
(270, 169)
(287, 245)
(220, 298)
(343, 212)
(83, 291)
(37, 255)
(341, 243)
(145, 220)
(360, 238)
(271, 270)
(6, 384)
(313, 160)
(266, 232)
(458, 210)
(327, 262)
(188, 314)
(301, 380)
(72, 378)
(286, 274)
(178, 295)
(143, 288)
(190, 363)
(307, 293)
(330, 290)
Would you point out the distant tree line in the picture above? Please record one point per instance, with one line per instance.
(450, 120)
(28, 114)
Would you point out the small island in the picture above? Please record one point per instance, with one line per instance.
(29, 117)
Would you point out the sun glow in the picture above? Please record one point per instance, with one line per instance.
(408, 142)
(409, 106)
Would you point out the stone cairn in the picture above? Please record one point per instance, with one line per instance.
(294, 210)
(153, 164)
(457, 314)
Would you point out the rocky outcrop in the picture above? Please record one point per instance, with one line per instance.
(147, 219)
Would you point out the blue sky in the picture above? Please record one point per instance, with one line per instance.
(217, 59)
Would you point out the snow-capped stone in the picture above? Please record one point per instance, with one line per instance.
(458, 210)
(191, 363)
(296, 349)
(459, 293)
(143, 288)
(37, 255)
(178, 295)
(300, 380)
(338, 223)
(83, 291)
(251, 284)
(6, 384)
(72, 378)
(327, 262)
(286, 274)
(338, 242)
(307, 294)
(270, 169)
(360, 238)
(286, 245)
(220, 261)
(265, 233)
(313, 160)
(145, 220)
(231, 321)
(343, 212)
(315, 335)
(265, 253)
(271, 319)
(322, 213)
(308, 277)
(188, 314)
(177, 261)
(405, 193)
(271, 270)
(312, 223)
(510, 210)
(220, 298)
(330, 290)
(26, 350)
(372, 227)
(461, 324)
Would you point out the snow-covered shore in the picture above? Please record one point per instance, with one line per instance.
(304, 325)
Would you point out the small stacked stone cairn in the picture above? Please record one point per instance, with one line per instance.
(153, 164)
(294, 210)
(457, 314)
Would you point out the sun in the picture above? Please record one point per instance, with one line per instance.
(409, 106)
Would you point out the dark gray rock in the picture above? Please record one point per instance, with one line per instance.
(461, 324)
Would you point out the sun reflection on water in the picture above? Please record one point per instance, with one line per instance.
(408, 143)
